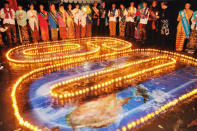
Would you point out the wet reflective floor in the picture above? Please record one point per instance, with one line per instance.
(182, 118)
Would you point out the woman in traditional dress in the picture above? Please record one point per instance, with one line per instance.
(21, 17)
(112, 14)
(192, 45)
(33, 23)
(95, 19)
(70, 23)
(43, 22)
(53, 22)
(89, 21)
(122, 20)
(62, 14)
(83, 21)
(77, 17)
(183, 28)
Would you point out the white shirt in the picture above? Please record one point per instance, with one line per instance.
(144, 20)
(131, 11)
(8, 20)
(77, 15)
(113, 18)
(83, 19)
(32, 20)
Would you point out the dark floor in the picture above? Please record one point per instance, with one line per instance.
(177, 119)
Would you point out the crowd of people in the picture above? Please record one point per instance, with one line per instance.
(139, 23)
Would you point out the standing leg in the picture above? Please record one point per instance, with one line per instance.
(13, 30)
(8, 33)
(132, 30)
(88, 30)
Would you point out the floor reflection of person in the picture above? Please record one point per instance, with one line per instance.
(33, 23)
(70, 23)
(53, 22)
(183, 28)
(21, 17)
(62, 14)
(112, 14)
(8, 15)
(43, 23)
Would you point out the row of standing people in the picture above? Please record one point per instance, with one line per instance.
(75, 23)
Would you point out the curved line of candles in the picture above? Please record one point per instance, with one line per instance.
(180, 57)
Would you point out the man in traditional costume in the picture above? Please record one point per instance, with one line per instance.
(43, 23)
(183, 28)
(130, 21)
(83, 21)
(53, 22)
(77, 15)
(122, 20)
(144, 14)
(95, 19)
(33, 23)
(103, 19)
(8, 16)
(70, 23)
(88, 21)
(164, 25)
(62, 14)
(112, 14)
(153, 23)
(21, 17)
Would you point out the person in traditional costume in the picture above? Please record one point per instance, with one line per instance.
(70, 23)
(144, 14)
(2, 29)
(21, 17)
(88, 21)
(33, 23)
(53, 22)
(8, 15)
(103, 19)
(164, 25)
(62, 14)
(77, 15)
(130, 21)
(137, 31)
(192, 44)
(183, 28)
(43, 23)
(95, 19)
(153, 23)
(112, 14)
(83, 22)
(122, 20)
